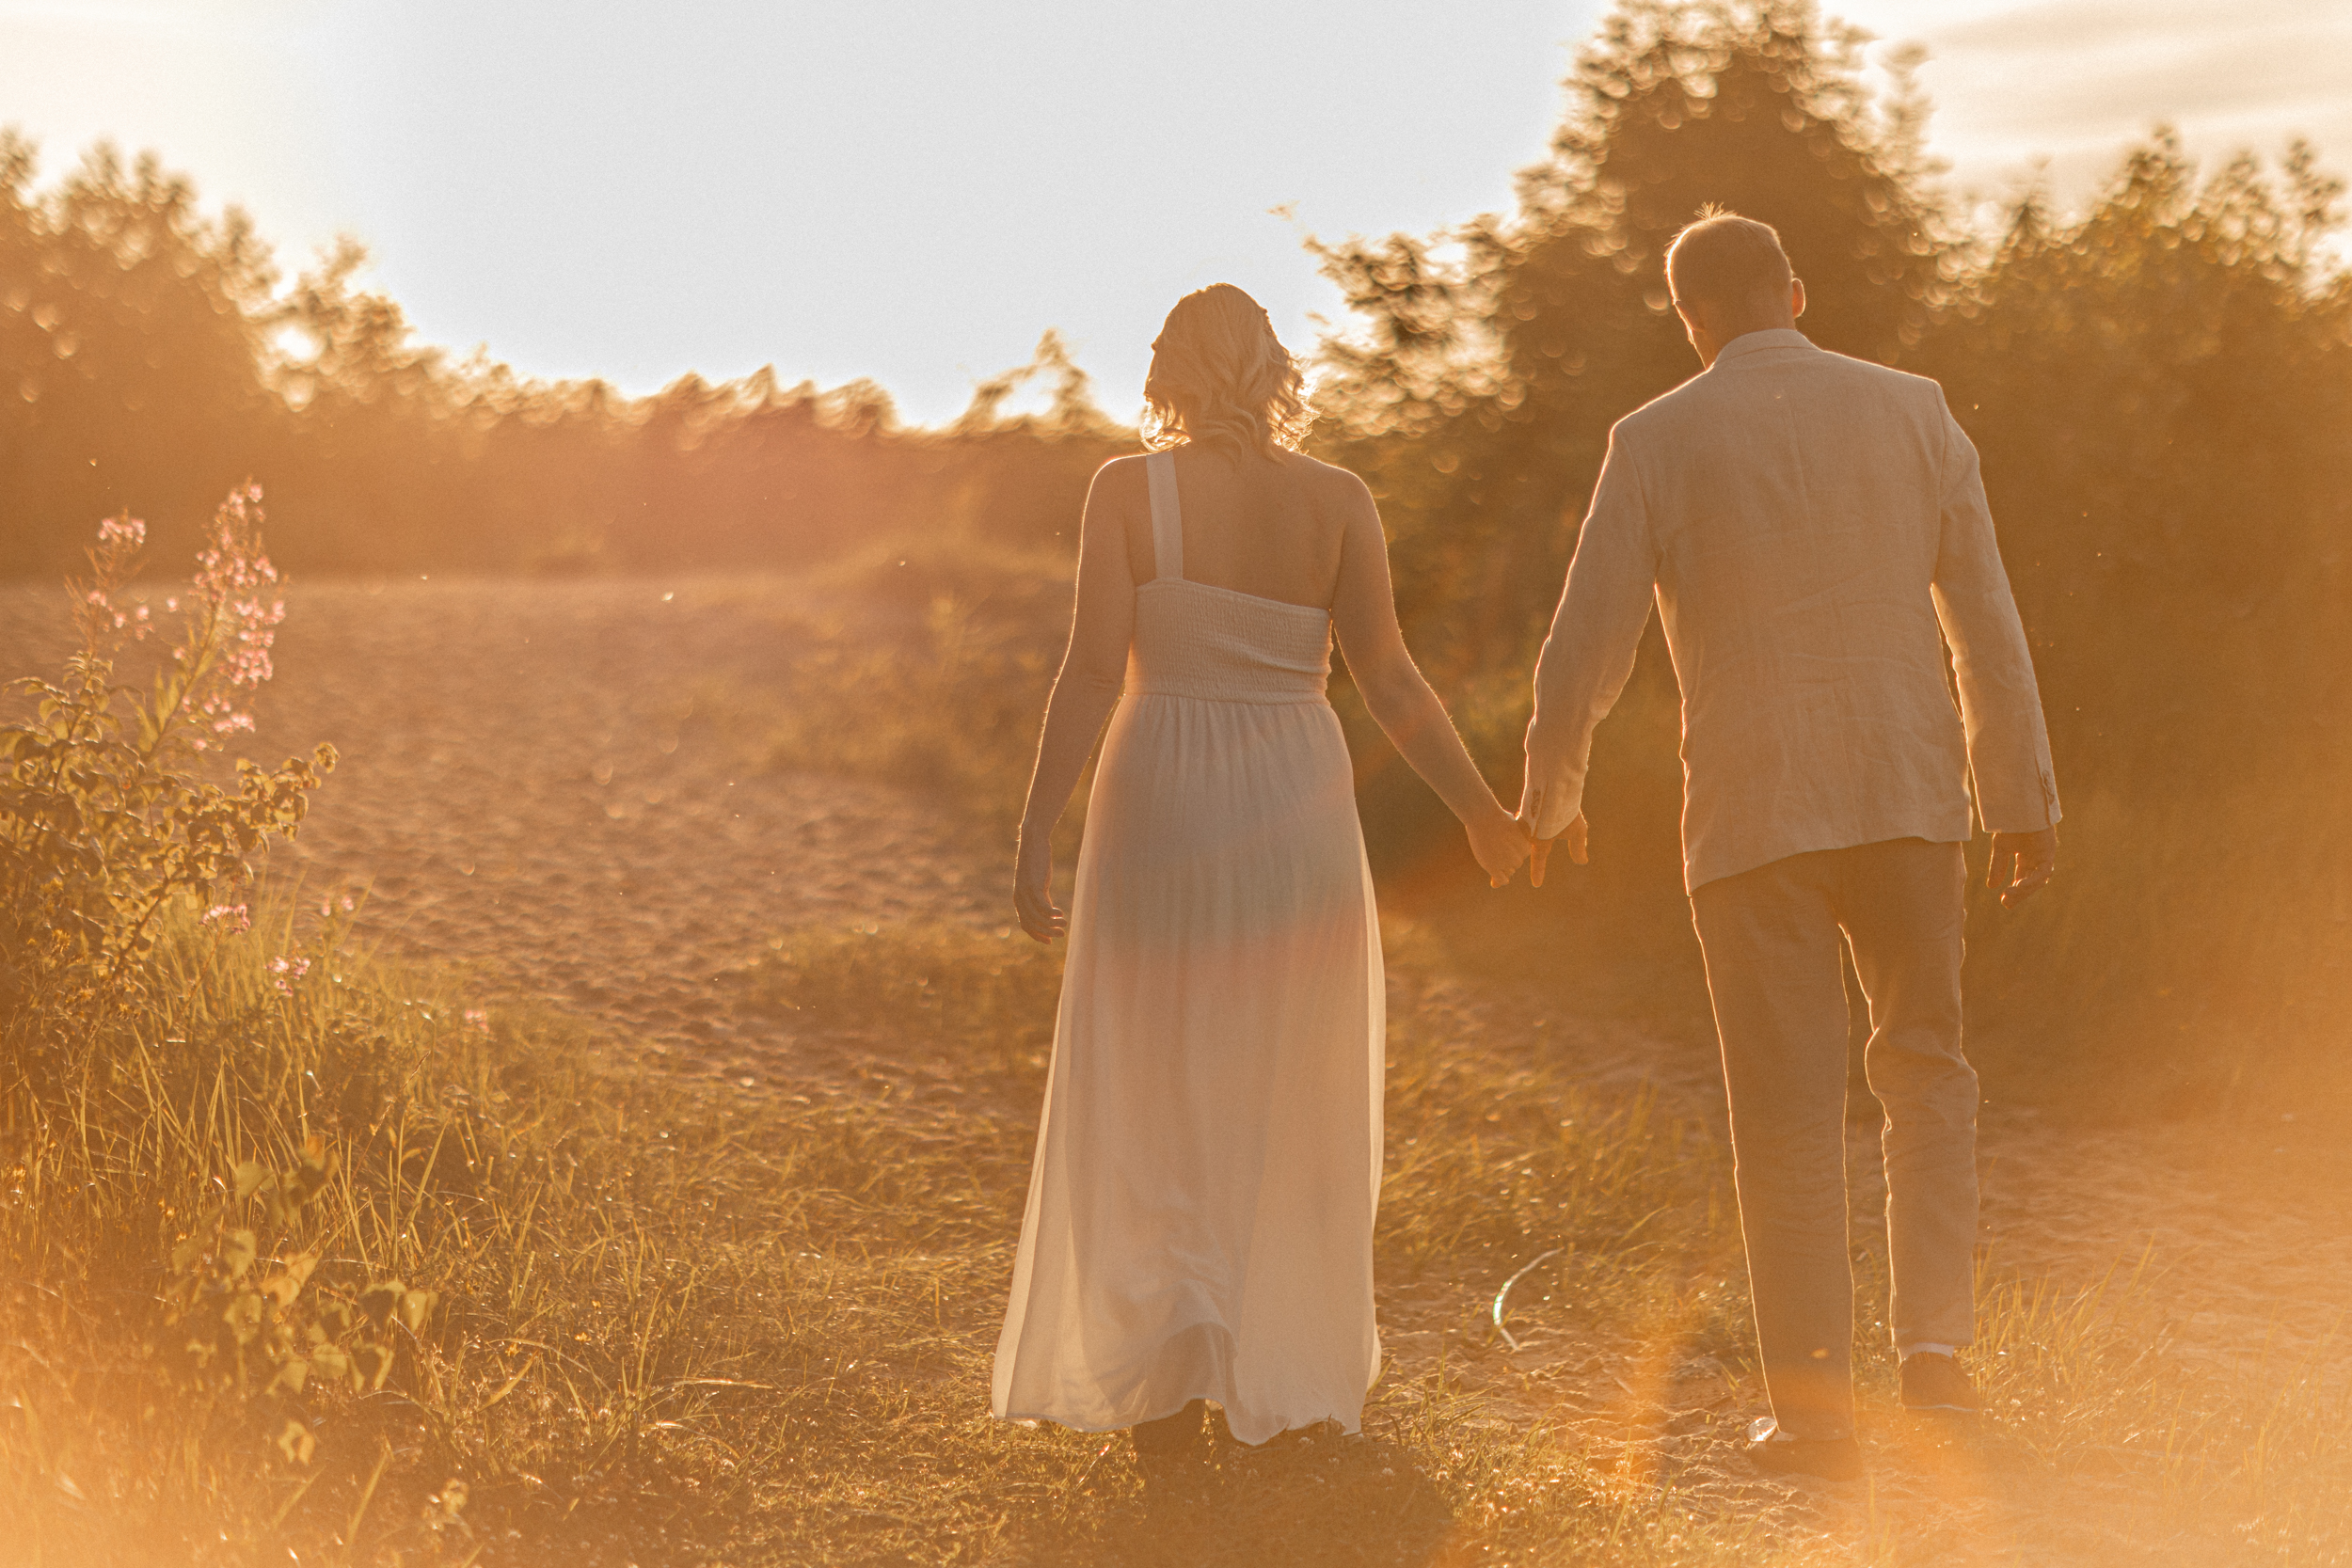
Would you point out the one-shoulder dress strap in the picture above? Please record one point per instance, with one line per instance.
(1167, 518)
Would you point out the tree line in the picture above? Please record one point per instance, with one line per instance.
(151, 360)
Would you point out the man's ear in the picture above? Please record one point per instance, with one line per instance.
(1796, 296)
(1693, 318)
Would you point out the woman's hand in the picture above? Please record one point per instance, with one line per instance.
(1499, 842)
(1033, 889)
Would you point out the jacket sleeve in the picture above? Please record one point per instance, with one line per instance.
(1594, 634)
(2000, 706)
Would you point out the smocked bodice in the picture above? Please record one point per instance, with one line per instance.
(1193, 640)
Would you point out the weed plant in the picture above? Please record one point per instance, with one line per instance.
(673, 1323)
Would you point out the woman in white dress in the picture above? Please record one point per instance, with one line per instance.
(1200, 1209)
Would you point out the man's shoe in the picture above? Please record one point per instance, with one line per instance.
(1935, 1382)
(1775, 1452)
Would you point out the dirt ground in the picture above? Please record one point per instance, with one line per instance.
(530, 788)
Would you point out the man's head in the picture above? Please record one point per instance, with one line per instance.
(1729, 278)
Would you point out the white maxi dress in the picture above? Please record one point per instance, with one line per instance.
(1201, 1208)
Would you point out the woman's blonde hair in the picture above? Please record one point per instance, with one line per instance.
(1220, 377)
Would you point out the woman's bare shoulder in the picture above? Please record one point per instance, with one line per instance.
(1118, 485)
(1122, 471)
(1328, 482)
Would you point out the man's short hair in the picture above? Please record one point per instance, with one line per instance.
(1726, 259)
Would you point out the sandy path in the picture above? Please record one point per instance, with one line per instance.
(530, 788)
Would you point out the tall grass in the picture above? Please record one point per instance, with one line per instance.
(678, 1324)
(563, 1372)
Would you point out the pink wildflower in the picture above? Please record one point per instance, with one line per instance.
(237, 588)
(477, 1019)
(222, 717)
(230, 917)
(288, 971)
(128, 531)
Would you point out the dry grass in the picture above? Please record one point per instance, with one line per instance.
(928, 666)
(678, 1324)
(982, 1001)
(572, 1242)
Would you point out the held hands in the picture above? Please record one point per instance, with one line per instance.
(1500, 843)
(2027, 859)
(1033, 889)
(1573, 835)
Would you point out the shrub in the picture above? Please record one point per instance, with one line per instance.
(104, 824)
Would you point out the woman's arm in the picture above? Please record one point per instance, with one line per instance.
(1093, 668)
(1363, 612)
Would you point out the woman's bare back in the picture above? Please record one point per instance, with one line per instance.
(1272, 529)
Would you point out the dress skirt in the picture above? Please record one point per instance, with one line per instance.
(1200, 1208)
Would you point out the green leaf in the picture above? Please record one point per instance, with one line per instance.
(380, 1301)
(287, 1283)
(244, 1315)
(369, 1366)
(333, 1363)
(295, 1441)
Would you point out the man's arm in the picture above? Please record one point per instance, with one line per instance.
(2000, 704)
(1589, 654)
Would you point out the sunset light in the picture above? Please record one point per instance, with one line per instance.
(1536, 784)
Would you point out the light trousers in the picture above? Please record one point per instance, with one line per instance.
(1772, 937)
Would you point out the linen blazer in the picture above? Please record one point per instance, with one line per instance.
(1814, 530)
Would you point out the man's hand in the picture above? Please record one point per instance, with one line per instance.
(1539, 849)
(2021, 864)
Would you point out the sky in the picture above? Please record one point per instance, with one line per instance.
(911, 191)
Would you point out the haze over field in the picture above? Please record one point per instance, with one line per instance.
(601, 1135)
(604, 190)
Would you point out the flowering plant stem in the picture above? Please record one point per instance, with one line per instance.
(104, 820)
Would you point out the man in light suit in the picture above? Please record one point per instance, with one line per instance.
(1814, 533)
